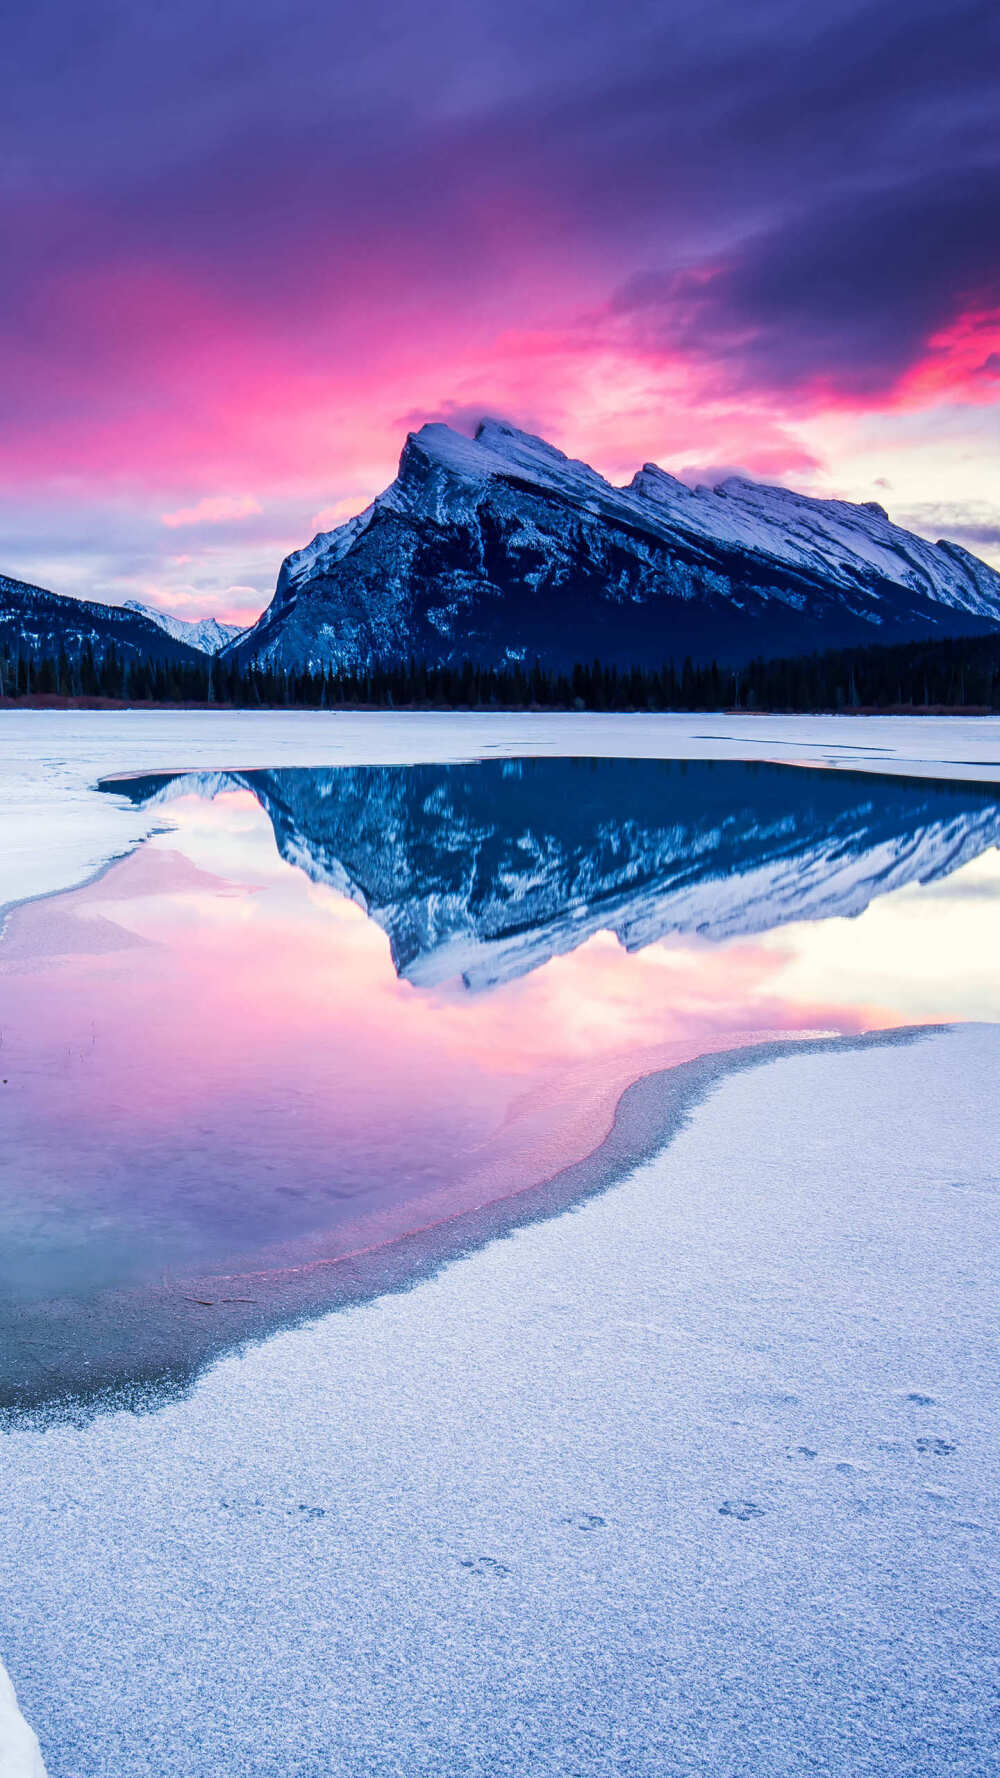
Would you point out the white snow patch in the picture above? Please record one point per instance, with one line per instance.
(20, 1754)
(327, 547)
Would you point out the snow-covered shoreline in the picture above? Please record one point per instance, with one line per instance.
(58, 830)
(704, 1470)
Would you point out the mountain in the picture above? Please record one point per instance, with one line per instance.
(483, 872)
(206, 633)
(35, 623)
(500, 548)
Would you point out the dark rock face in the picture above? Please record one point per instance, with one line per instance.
(35, 623)
(500, 549)
(483, 872)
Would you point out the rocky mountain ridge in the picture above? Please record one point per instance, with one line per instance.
(500, 548)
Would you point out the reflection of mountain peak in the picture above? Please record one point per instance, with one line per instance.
(485, 871)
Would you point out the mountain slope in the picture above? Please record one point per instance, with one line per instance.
(35, 623)
(206, 634)
(500, 548)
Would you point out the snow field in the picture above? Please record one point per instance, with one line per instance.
(698, 1478)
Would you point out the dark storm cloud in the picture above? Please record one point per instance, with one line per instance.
(848, 292)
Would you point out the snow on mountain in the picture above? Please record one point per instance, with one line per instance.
(501, 548)
(36, 623)
(206, 634)
(483, 873)
(846, 543)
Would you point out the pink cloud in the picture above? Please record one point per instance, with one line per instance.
(175, 388)
(213, 509)
(961, 362)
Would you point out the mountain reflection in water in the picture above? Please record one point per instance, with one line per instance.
(485, 871)
(246, 1079)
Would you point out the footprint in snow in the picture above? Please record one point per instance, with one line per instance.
(585, 1521)
(936, 1447)
(486, 1567)
(741, 1509)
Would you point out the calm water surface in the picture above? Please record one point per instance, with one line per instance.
(327, 1011)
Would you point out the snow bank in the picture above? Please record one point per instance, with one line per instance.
(20, 1754)
(699, 1478)
(57, 830)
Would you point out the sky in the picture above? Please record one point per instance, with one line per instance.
(248, 245)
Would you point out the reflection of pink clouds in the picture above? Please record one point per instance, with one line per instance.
(170, 1027)
(285, 991)
(594, 1001)
(599, 1001)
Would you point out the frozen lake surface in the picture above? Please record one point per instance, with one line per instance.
(691, 1471)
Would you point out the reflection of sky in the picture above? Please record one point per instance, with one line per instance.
(210, 1059)
(922, 953)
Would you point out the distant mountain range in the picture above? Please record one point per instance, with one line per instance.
(206, 634)
(481, 873)
(37, 624)
(500, 549)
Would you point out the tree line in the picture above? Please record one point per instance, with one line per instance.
(957, 673)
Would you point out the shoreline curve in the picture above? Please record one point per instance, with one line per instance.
(649, 1113)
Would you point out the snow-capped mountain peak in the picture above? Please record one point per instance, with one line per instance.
(498, 453)
(206, 634)
(652, 483)
(500, 547)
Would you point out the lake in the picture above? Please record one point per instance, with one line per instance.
(329, 1026)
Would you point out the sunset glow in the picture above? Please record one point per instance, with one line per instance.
(246, 257)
